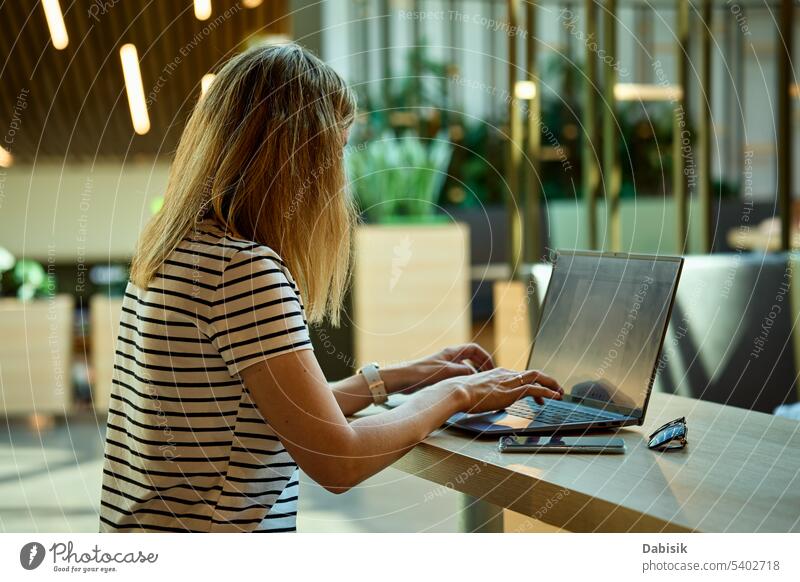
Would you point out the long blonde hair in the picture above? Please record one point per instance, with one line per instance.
(262, 154)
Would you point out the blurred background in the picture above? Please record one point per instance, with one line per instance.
(490, 132)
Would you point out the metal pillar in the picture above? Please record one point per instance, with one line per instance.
(480, 516)
(679, 124)
(386, 49)
(515, 241)
(784, 121)
(611, 169)
(706, 128)
(533, 223)
(417, 58)
(591, 172)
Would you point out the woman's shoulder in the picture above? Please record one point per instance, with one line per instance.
(236, 253)
(208, 232)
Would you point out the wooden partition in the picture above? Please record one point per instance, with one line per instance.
(411, 291)
(36, 356)
(104, 315)
(512, 330)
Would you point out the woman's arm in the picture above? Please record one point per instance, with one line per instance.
(353, 395)
(293, 395)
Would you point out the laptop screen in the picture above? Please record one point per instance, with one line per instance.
(602, 326)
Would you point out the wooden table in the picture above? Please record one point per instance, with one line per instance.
(740, 473)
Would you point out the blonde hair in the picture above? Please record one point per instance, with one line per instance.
(262, 153)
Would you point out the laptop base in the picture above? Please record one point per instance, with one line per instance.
(502, 423)
(505, 422)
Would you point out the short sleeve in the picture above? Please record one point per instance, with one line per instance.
(256, 312)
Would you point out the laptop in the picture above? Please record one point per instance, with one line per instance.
(602, 326)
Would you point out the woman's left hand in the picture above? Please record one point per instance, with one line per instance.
(437, 367)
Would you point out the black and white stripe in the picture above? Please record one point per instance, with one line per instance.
(186, 447)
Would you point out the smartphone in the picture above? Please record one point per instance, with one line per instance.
(562, 444)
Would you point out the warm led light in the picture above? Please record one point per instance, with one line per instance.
(134, 88)
(6, 159)
(202, 9)
(525, 90)
(205, 83)
(637, 92)
(251, 3)
(55, 22)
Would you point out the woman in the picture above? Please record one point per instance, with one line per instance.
(218, 398)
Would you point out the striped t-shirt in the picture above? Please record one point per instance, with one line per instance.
(186, 448)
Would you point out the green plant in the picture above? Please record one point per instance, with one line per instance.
(32, 280)
(399, 176)
(422, 98)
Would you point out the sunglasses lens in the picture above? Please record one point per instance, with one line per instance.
(670, 437)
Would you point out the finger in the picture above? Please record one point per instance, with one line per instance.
(473, 369)
(515, 379)
(539, 377)
(539, 392)
(457, 369)
(526, 390)
(511, 378)
(480, 357)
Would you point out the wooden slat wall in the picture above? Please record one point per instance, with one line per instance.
(76, 107)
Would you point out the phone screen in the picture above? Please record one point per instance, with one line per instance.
(563, 441)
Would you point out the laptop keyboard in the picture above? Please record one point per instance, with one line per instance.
(555, 412)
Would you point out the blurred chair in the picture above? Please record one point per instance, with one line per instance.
(730, 337)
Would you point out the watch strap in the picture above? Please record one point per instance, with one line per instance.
(375, 383)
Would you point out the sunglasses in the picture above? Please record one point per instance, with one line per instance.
(671, 436)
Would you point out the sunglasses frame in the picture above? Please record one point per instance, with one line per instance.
(665, 446)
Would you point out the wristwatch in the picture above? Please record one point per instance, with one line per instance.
(374, 382)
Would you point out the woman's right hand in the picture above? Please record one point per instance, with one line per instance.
(500, 387)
